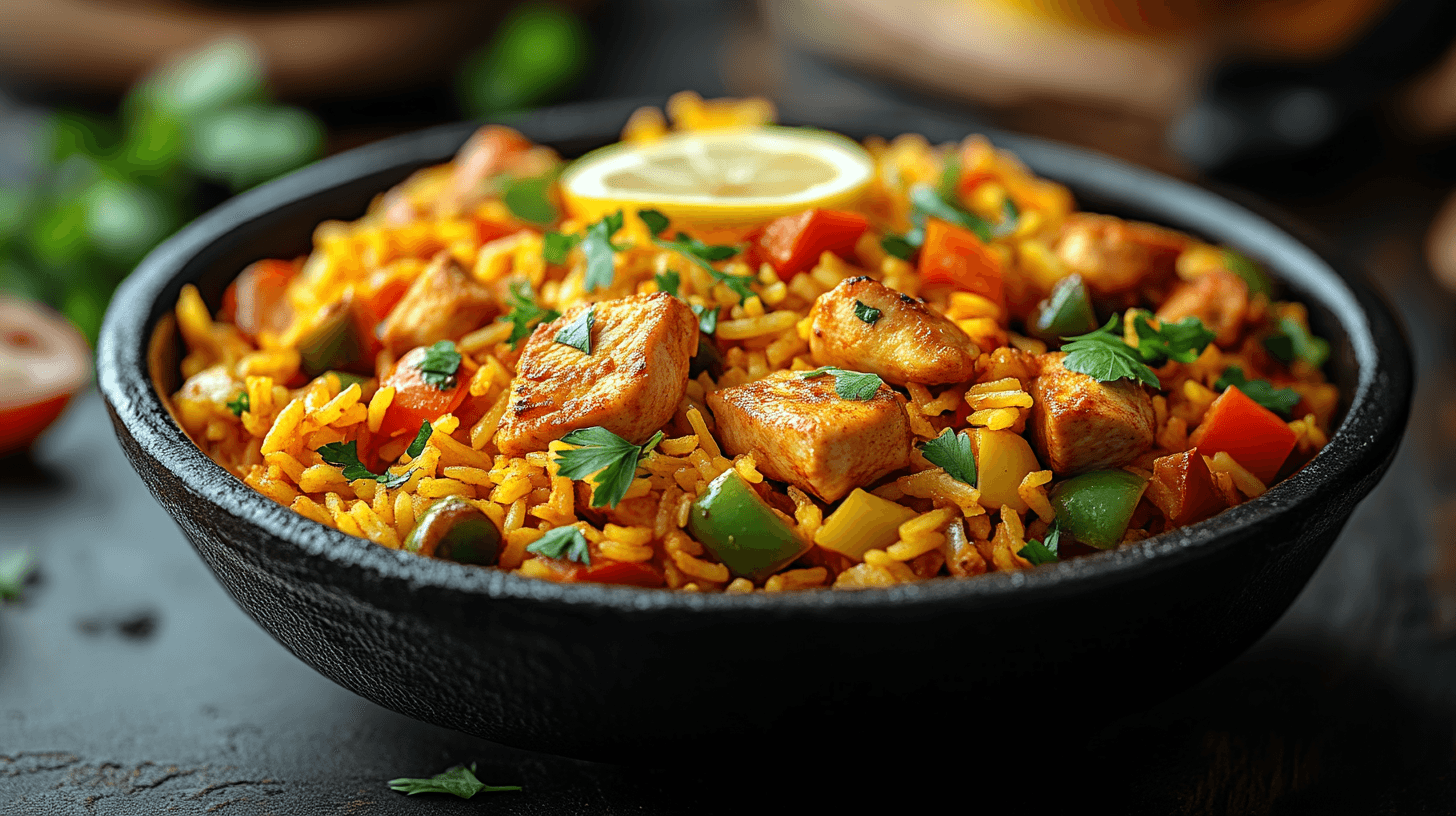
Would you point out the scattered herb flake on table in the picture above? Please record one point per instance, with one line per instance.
(458, 781)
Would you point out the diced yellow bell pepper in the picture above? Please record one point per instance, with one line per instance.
(1003, 458)
(863, 522)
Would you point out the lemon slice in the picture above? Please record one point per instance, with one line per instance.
(720, 179)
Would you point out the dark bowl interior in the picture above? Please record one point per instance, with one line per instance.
(624, 674)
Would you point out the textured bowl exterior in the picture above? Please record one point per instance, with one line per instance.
(624, 674)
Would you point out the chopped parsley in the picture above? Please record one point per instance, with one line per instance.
(899, 247)
(346, 456)
(240, 404)
(1182, 341)
(459, 781)
(926, 203)
(15, 567)
(950, 179)
(609, 459)
(601, 262)
(529, 199)
(1010, 219)
(1103, 356)
(577, 333)
(868, 314)
(952, 452)
(562, 543)
(707, 318)
(1279, 400)
(668, 282)
(417, 447)
(555, 245)
(1043, 552)
(439, 364)
(850, 385)
(1292, 341)
(698, 252)
(525, 313)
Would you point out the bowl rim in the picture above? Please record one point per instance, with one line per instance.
(1364, 440)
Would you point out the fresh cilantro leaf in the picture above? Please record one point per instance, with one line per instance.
(850, 385)
(577, 333)
(459, 781)
(529, 199)
(1043, 552)
(952, 452)
(950, 179)
(417, 447)
(1279, 400)
(925, 203)
(346, 456)
(668, 282)
(15, 567)
(555, 245)
(1103, 356)
(656, 222)
(708, 252)
(599, 251)
(868, 314)
(525, 313)
(898, 246)
(564, 543)
(1182, 341)
(439, 364)
(1010, 219)
(707, 318)
(240, 404)
(1292, 341)
(608, 459)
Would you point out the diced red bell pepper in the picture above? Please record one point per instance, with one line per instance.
(1252, 434)
(417, 401)
(1189, 494)
(629, 574)
(489, 231)
(970, 181)
(954, 255)
(793, 243)
(257, 300)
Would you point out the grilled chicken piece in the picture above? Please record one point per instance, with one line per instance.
(1115, 256)
(1081, 424)
(908, 343)
(631, 383)
(802, 432)
(442, 303)
(1219, 298)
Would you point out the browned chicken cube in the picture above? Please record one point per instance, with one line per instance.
(802, 432)
(631, 383)
(1081, 424)
(1219, 298)
(907, 342)
(442, 304)
(1115, 256)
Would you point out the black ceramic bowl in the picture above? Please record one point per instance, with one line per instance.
(625, 674)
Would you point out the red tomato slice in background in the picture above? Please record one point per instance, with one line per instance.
(44, 361)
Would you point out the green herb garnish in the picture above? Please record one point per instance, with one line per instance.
(1254, 277)
(600, 252)
(1043, 552)
(525, 313)
(529, 199)
(668, 282)
(950, 179)
(555, 245)
(1278, 400)
(656, 222)
(868, 314)
(15, 567)
(898, 246)
(564, 543)
(459, 781)
(850, 385)
(346, 456)
(417, 447)
(952, 452)
(925, 203)
(1182, 341)
(240, 404)
(698, 252)
(1292, 341)
(609, 459)
(577, 333)
(1010, 219)
(439, 364)
(1103, 356)
(707, 318)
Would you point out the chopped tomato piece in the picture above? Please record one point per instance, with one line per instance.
(488, 231)
(257, 301)
(1183, 488)
(43, 361)
(382, 293)
(970, 181)
(614, 572)
(793, 243)
(1252, 434)
(954, 255)
(415, 400)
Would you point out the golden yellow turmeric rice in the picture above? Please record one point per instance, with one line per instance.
(724, 356)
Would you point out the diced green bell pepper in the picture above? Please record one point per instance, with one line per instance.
(740, 529)
(1066, 312)
(1254, 277)
(1096, 507)
(455, 530)
(336, 342)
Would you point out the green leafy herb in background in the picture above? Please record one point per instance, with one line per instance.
(539, 51)
(952, 452)
(529, 199)
(609, 459)
(601, 262)
(1279, 400)
(458, 781)
(555, 245)
(850, 385)
(15, 568)
(1292, 341)
(525, 312)
(565, 543)
(1182, 341)
(668, 282)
